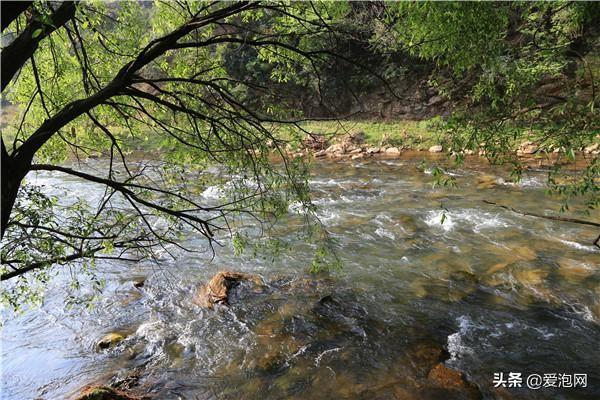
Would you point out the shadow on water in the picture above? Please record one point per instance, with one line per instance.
(487, 291)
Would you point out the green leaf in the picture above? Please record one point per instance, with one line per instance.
(37, 33)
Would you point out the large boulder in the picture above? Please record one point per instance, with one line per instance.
(219, 289)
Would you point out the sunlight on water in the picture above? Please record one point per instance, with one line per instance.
(495, 290)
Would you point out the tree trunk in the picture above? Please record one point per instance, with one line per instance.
(13, 172)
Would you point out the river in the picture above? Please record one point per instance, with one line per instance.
(494, 290)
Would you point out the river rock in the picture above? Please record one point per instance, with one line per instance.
(373, 150)
(355, 151)
(338, 148)
(527, 148)
(321, 153)
(105, 393)
(219, 288)
(358, 156)
(139, 283)
(444, 377)
(436, 149)
(110, 340)
(393, 151)
(591, 148)
(314, 142)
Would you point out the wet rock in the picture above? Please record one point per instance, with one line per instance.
(139, 282)
(110, 340)
(393, 151)
(358, 156)
(373, 150)
(105, 393)
(446, 378)
(355, 151)
(436, 149)
(425, 355)
(220, 288)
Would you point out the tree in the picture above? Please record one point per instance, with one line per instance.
(99, 78)
(531, 72)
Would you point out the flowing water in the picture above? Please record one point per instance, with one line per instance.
(486, 291)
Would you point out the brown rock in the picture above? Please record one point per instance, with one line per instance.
(338, 148)
(217, 290)
(104, 393)
(110, 340)
(314, 142)
(358, 156)
(446, 378)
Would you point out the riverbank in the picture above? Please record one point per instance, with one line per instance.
(361, 139)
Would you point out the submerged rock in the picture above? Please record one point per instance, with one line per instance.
(530, 277)
(487, 181)
(219, 289)
(573, 271)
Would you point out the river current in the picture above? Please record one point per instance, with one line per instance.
(493, 290)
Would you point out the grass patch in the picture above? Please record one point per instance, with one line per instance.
(412, 134)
